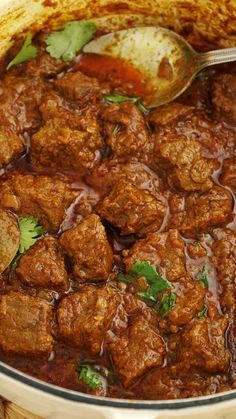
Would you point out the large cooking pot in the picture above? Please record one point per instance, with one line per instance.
(216, 21)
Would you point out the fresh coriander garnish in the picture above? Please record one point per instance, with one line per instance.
(156, 282)
(27, 52)
(167, 303)
(151, 274)
(204, 74)
(123, 278)
(203, 278)
(30, 230)
(203, 312)
(67, 42)
(148, 295)
(117, 98)
(89, 376)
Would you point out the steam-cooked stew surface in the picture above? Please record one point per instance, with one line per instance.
(117, 228)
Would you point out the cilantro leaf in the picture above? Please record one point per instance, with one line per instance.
(204, 74)
(89, 376)
(156, 282)
(67, 42)
(117, 98)
(144, 268)
(30, 230)
(123, 278)
(148, 295)
(27, 52)
(167, 303)
(202, 313)
(203, 277)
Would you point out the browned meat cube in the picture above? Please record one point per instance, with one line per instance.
(203, 345)
(84, 317)
(55, 106)
(196, 250)
(88, 246)
(126, 130)
(9, 239)
(201, 212)
(107, 174)
(19, 101)
(57, 146)
(79, 87)
(131, 209)
(190, 295)
(43, 266)
(25, 325)
(137, 350)
(184, 165)
(44, 65)
(44, 197)
(224, 97)
(174, 382)
(11, 146)
(228, 175)
(169, 113)
(224, 252)
(165, 250)
(215, 138)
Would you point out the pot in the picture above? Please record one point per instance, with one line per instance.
(215, 21)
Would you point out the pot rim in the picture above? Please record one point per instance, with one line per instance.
(74, 396)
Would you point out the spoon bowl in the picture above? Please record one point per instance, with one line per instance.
(167, 62)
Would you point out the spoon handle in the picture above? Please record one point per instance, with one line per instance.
(216, 57)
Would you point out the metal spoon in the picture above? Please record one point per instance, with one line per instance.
(167, 62)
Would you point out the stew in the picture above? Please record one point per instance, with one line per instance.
(118, 242)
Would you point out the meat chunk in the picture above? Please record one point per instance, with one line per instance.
(44, 65)
(9, 239)
(201, 212)
(224, 259)
(169, 113)
(107, 174)
(88, 246)
(11, 146)
(57, 146)
(214, 137)
(44, 197)
(79, 87)
(126, 130)
(203, 345)
(25, 325)
(55, 106)
(224, 97)
(174, 382)
(131, 209)
(43, 266)
(228, 175)
(224, 253)
(84, 317)
(184, 165)
(165, 250)
(190, 296)
(137, 350)
(19, 101)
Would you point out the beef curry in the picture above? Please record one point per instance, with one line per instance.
(118, 242)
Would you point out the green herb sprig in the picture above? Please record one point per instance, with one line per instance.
(157, 283)
(203, 277)
(30, 231)
(27, 52)
(117, 98)
(68, 41)
(89, 376)
(203, 312)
